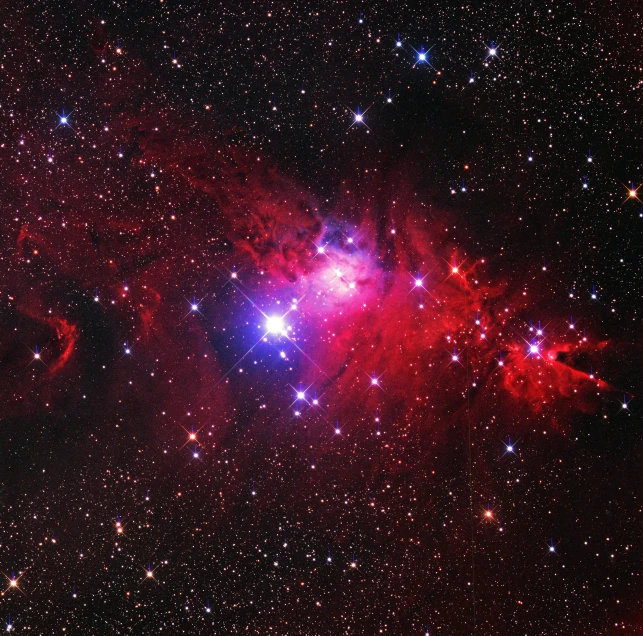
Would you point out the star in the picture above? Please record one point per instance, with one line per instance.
(375, 379)
(492, 50)
(633, 192)
(63, 119)
(510, 447)
(358, 118)
(149, 573)
(275, 325)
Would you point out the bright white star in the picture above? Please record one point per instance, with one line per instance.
(275, 324)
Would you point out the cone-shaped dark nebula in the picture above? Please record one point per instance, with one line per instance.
(320, 318)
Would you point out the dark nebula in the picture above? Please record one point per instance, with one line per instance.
(321, 318)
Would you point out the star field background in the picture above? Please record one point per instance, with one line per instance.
(439, 434)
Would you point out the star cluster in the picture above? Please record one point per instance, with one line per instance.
(321, 318)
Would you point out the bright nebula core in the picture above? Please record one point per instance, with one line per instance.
(274, 365)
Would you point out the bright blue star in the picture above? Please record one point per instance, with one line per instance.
(63, 119)
(510, 447)
(422, 56)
